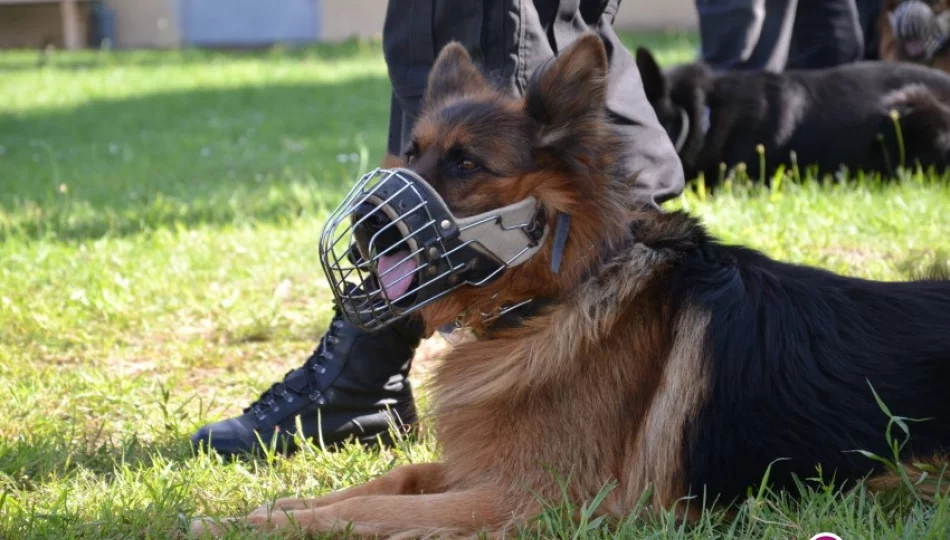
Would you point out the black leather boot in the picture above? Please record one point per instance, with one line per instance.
(354, 385)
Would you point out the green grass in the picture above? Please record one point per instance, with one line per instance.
(159, 216)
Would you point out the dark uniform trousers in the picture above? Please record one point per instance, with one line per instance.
(776, 35)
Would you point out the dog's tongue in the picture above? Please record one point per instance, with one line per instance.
(396, 273)
(914, 48)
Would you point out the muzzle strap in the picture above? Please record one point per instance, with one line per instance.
(492, 232)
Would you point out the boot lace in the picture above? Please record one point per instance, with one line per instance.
(280, 393)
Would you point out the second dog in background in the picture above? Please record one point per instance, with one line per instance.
(916, 31)
(829, 118)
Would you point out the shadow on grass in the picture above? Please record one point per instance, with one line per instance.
(188, 158)
(30, 460)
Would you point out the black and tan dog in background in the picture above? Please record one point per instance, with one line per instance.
(829, 118)
(660, 357)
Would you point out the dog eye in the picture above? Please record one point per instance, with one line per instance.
(411, 153)
(466, 165)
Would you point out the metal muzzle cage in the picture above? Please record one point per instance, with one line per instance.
(393, 246)
(914, 22)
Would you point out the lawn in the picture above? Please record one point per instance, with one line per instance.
(159, 219)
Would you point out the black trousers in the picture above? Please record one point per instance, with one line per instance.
(783, 34)
(510, 39)
(869, 11)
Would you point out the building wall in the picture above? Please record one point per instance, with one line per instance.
(345, 18)
(657, 15)
(33, 26)
(145, 23)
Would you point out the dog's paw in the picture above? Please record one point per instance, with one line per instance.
(268, 521)
(265, 509)
(210, 528)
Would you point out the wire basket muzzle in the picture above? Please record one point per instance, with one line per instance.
(393, 247)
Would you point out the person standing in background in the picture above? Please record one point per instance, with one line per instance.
(775, 35)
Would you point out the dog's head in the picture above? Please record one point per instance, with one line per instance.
(482, 149)
(678, 97)
(916, 31)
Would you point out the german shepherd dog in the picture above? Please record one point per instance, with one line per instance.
(829, 118)
(659, 357)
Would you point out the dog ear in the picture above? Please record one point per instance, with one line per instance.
(453, 74)
(654, 82)
(569, 91)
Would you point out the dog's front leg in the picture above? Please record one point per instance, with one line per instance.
(414, 479)
(464, 512)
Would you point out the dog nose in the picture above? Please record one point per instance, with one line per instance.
(354, 255)
(374, 231)
(370, 218)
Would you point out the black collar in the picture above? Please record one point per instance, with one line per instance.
(511, 316)
(515, 317)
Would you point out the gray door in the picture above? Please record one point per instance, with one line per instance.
(226, 23)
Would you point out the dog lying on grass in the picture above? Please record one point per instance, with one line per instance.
(656, 357)
(843, 116)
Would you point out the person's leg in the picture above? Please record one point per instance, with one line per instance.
(651, 163)
(827, 33)
(869, 12)
(746, 34)
(414, 33)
